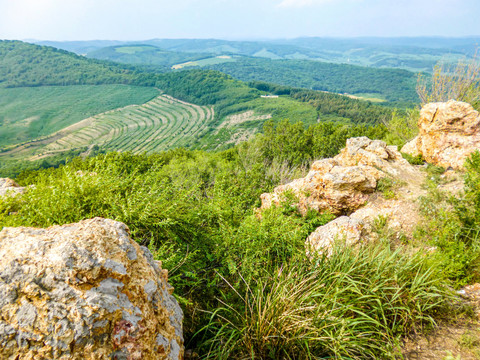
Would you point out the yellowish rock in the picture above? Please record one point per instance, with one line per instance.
(342, 184)
(10, 187)
(448, 133)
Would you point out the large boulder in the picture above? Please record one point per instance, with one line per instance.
(10, 187)
(448, 133)
(84, 291)
(342, 184)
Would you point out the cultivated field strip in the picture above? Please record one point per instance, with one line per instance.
(159, 124)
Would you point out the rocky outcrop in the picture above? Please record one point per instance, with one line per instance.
(342, 184)
(400, 215)
(84, 291)
(8, 186)
(448, 133)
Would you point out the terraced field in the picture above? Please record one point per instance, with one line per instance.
(162, 123)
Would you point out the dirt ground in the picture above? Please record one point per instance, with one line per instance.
(455, 339)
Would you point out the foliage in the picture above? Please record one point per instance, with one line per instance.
(459, 82)
(23, 64)
(196, 211)
(358, 112)
(454, 233)
(297, 145)
(402, 127)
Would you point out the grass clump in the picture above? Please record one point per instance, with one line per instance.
(459, 81)
(356, 304)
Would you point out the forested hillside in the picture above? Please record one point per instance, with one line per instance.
(389, 84)
(23, 64)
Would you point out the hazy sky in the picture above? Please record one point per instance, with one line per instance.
(234, 19)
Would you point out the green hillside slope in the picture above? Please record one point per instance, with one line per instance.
(23, 64)
(28, 113)
(159, 124)
(221, 110)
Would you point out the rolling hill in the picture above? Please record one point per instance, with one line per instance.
(27, 113)
(411, 53)
(54, 102)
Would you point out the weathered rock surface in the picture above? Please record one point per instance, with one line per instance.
(343, 228)
(342, 184)
(8, 186)
(84, 291)
(448, 133)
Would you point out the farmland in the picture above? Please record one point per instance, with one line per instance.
(29, 113)
(159, 124)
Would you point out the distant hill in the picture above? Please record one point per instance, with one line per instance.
(411, 53)
(383, 84)
(145, 55)
(390, 84)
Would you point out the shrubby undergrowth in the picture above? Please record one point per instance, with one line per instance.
(246, 286)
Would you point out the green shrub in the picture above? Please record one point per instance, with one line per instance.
(413, 160)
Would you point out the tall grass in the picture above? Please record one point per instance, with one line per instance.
(356, 304)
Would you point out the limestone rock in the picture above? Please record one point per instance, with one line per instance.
(343, 228)
(342, 184)
(84, 291)
(448, 133)
(8, 186)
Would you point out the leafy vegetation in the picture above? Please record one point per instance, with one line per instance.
(455, 232)
(23, 64)
(260, 296)
(358, 112)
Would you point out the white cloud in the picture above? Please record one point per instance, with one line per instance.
(301, 3)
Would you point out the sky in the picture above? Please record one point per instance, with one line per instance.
(234, 19)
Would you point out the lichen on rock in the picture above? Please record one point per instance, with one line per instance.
(84, 291)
